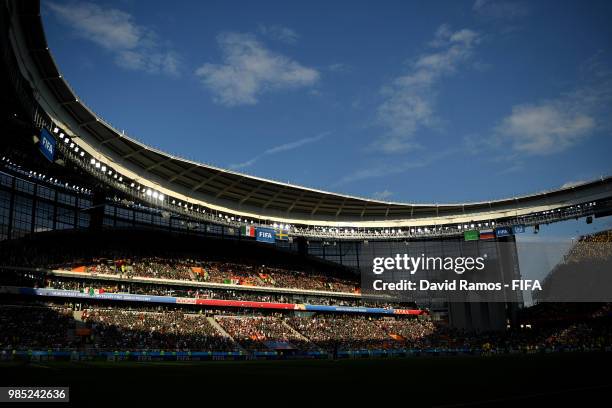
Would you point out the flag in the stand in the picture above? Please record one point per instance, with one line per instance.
(248, 231)
(487, 234)
(197, 269)
(281, 236)
(471, 235)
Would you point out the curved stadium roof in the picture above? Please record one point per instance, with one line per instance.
(233, 192)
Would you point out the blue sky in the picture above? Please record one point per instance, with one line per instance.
(403, 101)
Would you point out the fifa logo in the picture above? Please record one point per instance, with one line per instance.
(47, 145)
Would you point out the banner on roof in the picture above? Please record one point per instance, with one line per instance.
(487, 234)
(471, 235)
(501, 232)
(47, 145)
(518, 229)
(265, 235)
(281, 235)
(247, 231)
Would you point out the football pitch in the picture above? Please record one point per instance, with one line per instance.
(419, 381)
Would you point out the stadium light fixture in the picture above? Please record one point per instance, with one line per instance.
(97, 165)
(55, 130)
(161, 197)
(103, 168)
(82, 153)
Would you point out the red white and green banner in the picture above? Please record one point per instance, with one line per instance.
(248, 231)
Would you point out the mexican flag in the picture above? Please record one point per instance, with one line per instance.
(248, 231)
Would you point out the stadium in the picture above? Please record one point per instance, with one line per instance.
(114, 252)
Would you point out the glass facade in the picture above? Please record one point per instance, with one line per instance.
(27, 207)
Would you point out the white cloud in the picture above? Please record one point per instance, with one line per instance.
(134, 47)
(382, 195)
(279, 33)
(279, 149)
(249, 69)
(410, 99)
(546, 128)
(554, 125)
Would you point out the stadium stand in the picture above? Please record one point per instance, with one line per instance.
(583, 274)
(99, 328)
(137, 330)
(177, 257)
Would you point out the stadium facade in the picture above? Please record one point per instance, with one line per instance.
(64, 167)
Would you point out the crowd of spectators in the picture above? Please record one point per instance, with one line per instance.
(583, 275)
(174, 329)
(137, 330)
(263, 333)
(592, 247)
(358, 332)
(213, 271)
(26, 327)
